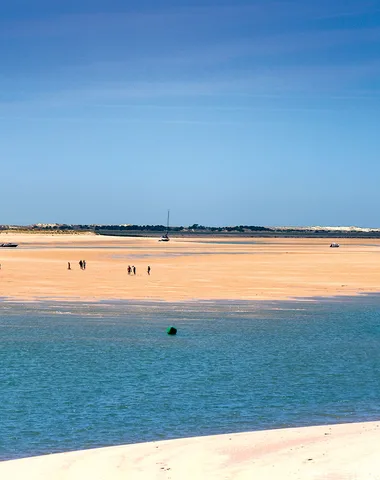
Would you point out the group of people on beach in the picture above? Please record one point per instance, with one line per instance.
(82, 265)
(132, 270)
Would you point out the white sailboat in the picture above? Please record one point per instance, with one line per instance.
(165, 237)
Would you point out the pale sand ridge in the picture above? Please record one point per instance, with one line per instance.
(339, 452)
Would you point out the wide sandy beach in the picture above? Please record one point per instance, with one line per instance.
(185, 269)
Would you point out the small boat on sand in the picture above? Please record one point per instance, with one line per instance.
(334, 245)
(165, 237)
(9, 245)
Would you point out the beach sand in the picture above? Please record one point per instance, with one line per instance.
(185, 269)
(339, 452)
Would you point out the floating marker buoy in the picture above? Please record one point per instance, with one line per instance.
(171, 330)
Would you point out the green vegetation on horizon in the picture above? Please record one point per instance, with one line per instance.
(195, 229)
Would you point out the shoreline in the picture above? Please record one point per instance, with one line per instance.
(263, 303)
(342, 296)
(268, 232)
(326, 451)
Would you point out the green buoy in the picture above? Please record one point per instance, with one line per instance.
(171, 330)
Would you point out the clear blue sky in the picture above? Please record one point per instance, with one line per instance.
(227, 112)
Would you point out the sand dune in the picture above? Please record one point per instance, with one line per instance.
(185, 269)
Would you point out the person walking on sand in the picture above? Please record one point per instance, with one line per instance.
(148, 270)
(81, 264)
(129, 269)
(134, 270)
(84, 264)
(68, 266)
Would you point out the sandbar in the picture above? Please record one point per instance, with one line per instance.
(185, 269)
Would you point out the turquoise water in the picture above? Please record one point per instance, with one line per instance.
(82, 376)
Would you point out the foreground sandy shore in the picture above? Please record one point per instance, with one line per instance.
(339, 452)
(184, 269)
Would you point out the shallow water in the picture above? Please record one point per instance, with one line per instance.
(79, 376)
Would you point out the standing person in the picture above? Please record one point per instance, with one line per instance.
(129, 269)
(148, 269)
(68, 266)
(81, 264)
(84, 264)
(134, 270)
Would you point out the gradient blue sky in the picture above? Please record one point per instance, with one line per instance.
(226, 112)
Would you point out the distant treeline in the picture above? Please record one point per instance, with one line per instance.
(191, 228)
(195, 229)
(135, 228)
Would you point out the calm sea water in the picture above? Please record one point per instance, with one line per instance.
(81, 376)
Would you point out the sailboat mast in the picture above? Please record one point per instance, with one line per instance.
(167, 224)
